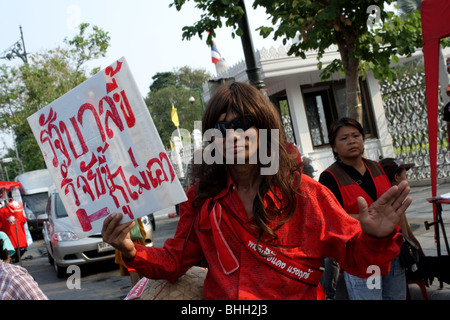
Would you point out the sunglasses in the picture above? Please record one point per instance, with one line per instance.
(243, 123)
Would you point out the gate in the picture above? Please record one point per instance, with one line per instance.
(404, 102)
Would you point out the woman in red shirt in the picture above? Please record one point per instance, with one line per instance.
(12, 222)
(352, 176)
(262, 226)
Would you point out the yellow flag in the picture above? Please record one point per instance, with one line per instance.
(171, 145)
(175, 117)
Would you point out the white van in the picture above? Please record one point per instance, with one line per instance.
(34, 192)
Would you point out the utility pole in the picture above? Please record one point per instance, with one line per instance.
(23, 44)
(16, 50)
(253, 71)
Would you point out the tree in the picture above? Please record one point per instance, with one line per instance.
(86, 47)
(409, 6)
(320, 24)
(174, 87)
(192, 78)
(162, 80)
(47, 76)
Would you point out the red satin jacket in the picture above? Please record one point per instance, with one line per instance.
(319, 228)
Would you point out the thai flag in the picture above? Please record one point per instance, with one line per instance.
(215, 54)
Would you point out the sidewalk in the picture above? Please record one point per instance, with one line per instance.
(419, 212)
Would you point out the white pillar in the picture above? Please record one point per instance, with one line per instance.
(298, 114)
(385, 138)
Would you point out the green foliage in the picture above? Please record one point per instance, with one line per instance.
(320, 24)
(85, 46)
(47, 76)
(175, 87)
(398, 36)
(211, 19)
(162, 80)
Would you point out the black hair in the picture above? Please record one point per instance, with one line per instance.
(4, 253)
(336, 125)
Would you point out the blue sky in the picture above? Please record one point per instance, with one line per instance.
(147, 32)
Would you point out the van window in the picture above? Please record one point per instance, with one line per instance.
(36, 202)
(60, 211)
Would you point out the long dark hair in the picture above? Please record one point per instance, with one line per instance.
(245, 100)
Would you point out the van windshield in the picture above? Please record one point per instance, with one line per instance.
(60, 211)
(36, 202)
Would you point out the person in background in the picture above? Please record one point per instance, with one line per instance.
(12, 222)
(396, 173)
(15, 282)
(427, 267)
(7, 243)
(349, 178)
(446, 118)
(446, 113)
(263, 233)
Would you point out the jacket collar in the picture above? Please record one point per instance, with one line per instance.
(270, 197)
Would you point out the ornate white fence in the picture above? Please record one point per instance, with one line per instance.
(405, 106)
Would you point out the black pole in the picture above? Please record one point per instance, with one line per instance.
(253, 71)
(23, 45)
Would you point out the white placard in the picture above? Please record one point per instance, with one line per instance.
(104, 153)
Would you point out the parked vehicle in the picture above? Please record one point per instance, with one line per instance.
(149, 225)
(34, 193)
(65, 248)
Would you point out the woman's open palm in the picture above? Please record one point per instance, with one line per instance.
(380, 219)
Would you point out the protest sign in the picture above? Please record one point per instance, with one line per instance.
(104, 153)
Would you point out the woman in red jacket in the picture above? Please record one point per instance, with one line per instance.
(262, 226)
(12, 222)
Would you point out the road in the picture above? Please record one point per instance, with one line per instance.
(99, 281)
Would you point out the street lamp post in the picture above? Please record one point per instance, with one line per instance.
(192, 99)
(16, 50)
